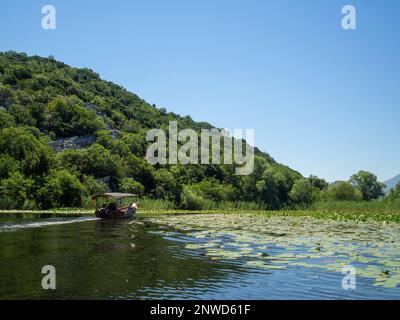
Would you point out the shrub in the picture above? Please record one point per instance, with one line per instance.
(61, 189)
(16, 191)
(7, 96)
(131, 186)
(166, 185)
(24, 147)
(5, 119)
(302, 192)
(93, 186)
(66, 117)
(10, 80)
(22, 72)
(190, 200)
(342, 191)
(8, 166)
(211, 189)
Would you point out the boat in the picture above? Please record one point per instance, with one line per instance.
(114, 208)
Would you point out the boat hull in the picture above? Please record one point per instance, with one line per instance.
(130, 213)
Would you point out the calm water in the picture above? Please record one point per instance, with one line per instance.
(198, 257)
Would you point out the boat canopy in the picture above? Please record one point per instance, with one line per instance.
(114, 195)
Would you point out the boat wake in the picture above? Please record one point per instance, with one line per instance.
(13, 226)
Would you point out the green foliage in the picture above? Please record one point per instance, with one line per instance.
(131, 186)
(8, 166)
(190, 200)
(21, 72)
(166, 187)
(213, 190)
(7, 96)
(66, 117)
(95, 161)
(302, 192)
(6, 120)
(136, 143)
(10, 79)
(140, 170)
(33, 156)
(368, 184)
(22, 115)
(42, 99)
(275, 185)
(16, 192)
(342, 191)
(116, 146)
(61, 189)
(92, 186)
(319, 183)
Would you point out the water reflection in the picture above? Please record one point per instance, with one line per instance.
(98, 259)
(101, 260)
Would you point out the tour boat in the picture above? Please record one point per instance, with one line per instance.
(114, 209)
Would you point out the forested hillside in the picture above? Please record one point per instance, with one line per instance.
(67, 134)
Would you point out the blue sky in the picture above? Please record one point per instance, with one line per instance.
(321, 99)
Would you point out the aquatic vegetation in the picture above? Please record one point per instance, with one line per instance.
(280, 242)
(392, 215)
(355, 214)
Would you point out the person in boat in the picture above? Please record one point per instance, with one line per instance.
(112, 207)
(115, 209)
(103, 211)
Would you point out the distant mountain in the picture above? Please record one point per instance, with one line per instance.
(390, 184)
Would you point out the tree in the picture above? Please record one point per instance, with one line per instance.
(24, 147)
(22, 72)
(66, 117)
(135, 143)
(42, 99)
(5, 119)
(302, 192)
(61, 189)
(275, 185)
(8, 166)
(131, 186)
(368, 184)
(92, 186)
(7, 96)
(319, 183)
(342, 191)
(10, 79)
(166, 186)
(16, 192)
(212, 189)
(96, 161)
(190, 200)
(140, 170)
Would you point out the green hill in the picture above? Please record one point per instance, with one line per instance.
(66, 134)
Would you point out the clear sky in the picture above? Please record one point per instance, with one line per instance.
(321, 99)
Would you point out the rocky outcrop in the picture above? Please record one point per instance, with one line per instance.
(72, 143)
(79, 142)
(93, 107)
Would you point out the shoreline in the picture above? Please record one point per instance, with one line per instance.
(330, 214)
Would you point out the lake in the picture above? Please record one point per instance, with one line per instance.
(198, 257)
